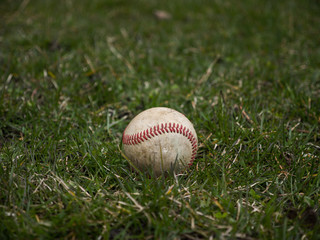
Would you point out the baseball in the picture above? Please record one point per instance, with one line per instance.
(160, 140)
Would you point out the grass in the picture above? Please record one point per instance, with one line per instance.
(73, 74)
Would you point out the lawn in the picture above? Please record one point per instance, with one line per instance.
(74, 73)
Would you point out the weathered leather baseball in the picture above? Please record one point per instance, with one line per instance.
(160, 140)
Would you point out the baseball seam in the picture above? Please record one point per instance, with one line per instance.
(136, 138)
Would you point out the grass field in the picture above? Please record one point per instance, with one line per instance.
(74, 73)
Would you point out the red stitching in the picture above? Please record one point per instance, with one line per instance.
(162, 131)
(140, 137)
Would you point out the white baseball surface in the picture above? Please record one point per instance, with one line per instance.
(160, 139)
